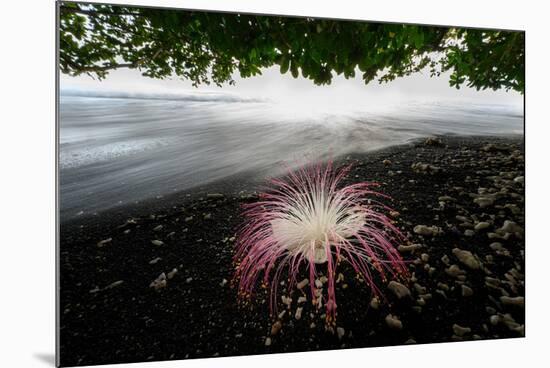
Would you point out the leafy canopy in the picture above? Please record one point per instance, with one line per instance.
(209, 47)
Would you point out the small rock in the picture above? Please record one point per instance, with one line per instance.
(208, 216)
(461, 331)
(157, 242)
(393, 322)
(170, 275)
(469, 232)
(483, 202)
(302, 284)
(159, 282)
(114, 284)
(517, 301)
(481, 225)
(409, 248)
(510, 227)
(158, 228)
(276, 327)
(424, 257)
(214, 196)
(426, 230)
(399, 290)
(466, 258)
(268, 341)
(374, 303)
(454, 271)
(188, 280)
(104, 242)
(466, 291)
(155, 261)
(386, 162)
(298, 314)
(223, 282)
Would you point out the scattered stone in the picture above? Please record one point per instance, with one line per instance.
(461, 331)
(157, 242)
(517, 301)
(393, 322)
(426, 230)
(386, 162)
(409, 248)
(114, 284)
(374, 303)
(466, 291)
(214, 196)
(340, 332)
(223, 283)
(155, 261)
(158, 228)
(298, 314)
(419, 167)
(454, 271)
(302, 284)
(466, 258)
(301, 300)
(276, 327)
(268, 341)
(188, 280)
(208, 216)
(159, 282)
(510, 227)
(484, 201)
(170, 275)
(469, 232)
(424, 257)
(189, 218)
(104, 242)
(433, 141)
(399, 290)
(445, 259)
(481, 225)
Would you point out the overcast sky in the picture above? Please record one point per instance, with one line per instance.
(341, 94)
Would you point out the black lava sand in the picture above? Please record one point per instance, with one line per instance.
(470, 195)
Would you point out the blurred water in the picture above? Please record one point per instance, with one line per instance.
(119, 150)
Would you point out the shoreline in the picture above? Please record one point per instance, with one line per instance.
(249, 182)
(107, 304)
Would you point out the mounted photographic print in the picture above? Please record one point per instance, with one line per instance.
(235, 184)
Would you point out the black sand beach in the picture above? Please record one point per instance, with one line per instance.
(466, 263)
